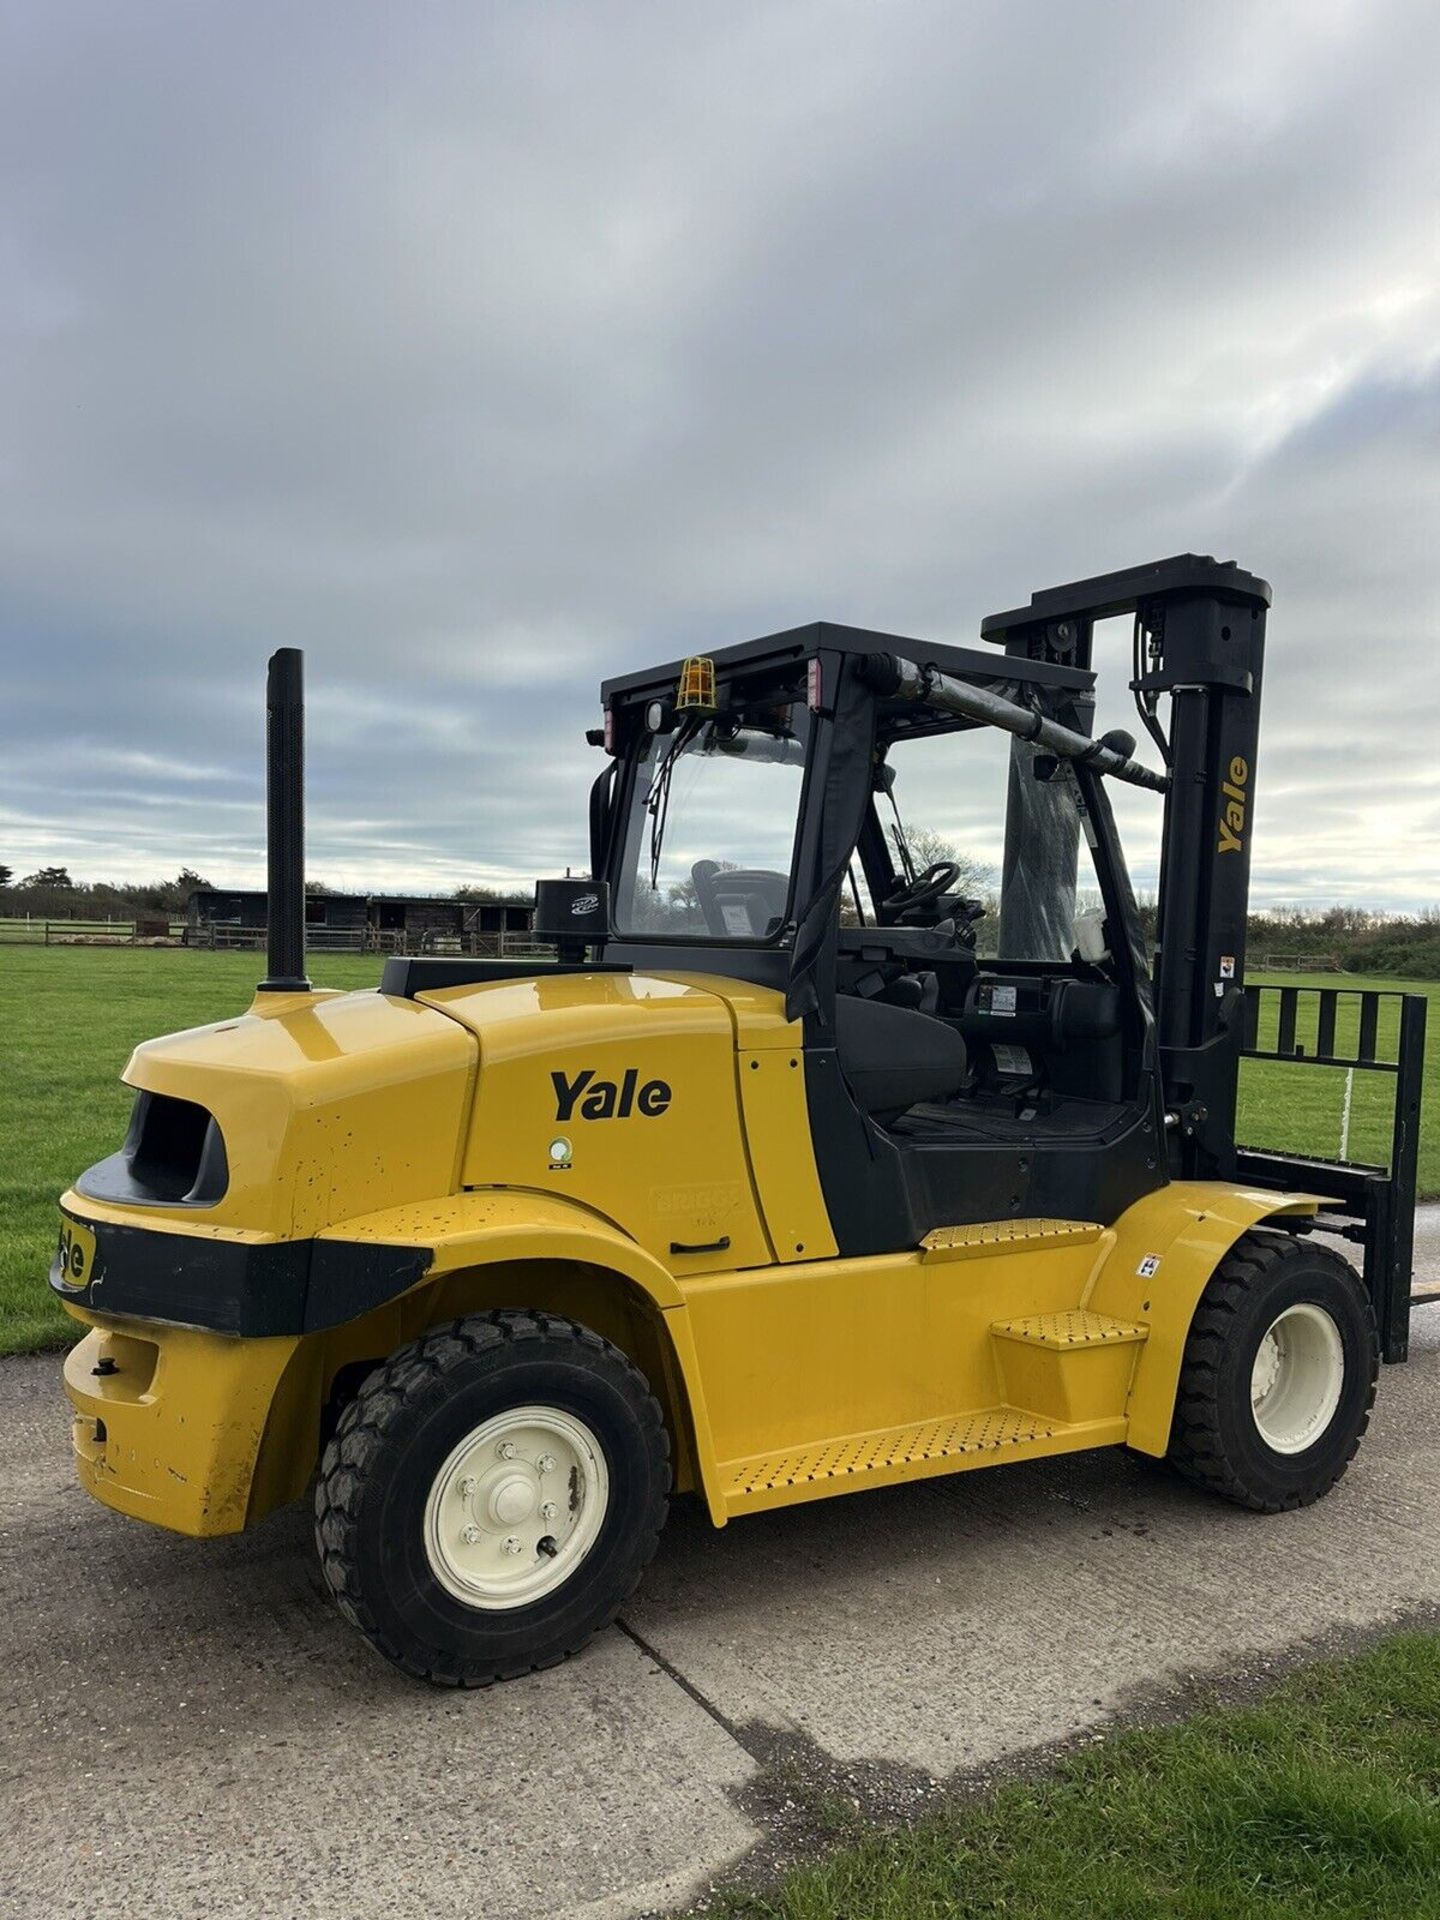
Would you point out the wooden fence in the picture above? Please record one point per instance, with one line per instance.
(1297, 963)
(36, 932)
(32, 931)
(494, 946)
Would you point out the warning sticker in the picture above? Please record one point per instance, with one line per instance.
(1148, 1266)
(1227, 966)
(1002, 999)
(1010, 1059)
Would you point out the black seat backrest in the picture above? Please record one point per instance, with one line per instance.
(893, 1057)
(740, 902)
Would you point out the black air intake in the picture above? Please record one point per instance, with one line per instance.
(285, 822)
(575, 914)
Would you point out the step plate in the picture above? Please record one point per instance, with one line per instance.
(1062, 1332)
(986, 1237)
(903, 1452)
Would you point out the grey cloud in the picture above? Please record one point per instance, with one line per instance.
(483, 351)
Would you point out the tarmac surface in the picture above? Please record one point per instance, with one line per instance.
(189, 1728)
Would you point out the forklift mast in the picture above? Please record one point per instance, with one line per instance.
(1199, 636)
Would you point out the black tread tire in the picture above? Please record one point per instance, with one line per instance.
(1214, 1440)
(402, 1424)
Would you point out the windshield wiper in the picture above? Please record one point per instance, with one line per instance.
(657, 801)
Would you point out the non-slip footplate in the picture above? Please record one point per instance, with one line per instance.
(1006, 1236)
(985, 1432)
(1074, 1328)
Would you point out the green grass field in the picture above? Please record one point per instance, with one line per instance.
(70, 1015)
(1324, 1800)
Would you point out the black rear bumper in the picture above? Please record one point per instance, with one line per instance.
(240, 1287)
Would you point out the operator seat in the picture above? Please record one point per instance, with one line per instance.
(894, 1057)
(740, 902)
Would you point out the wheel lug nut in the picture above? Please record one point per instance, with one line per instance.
(506, 1449)
(548, 1510)
(512, 1545)
(467, 1487)
(471, 1535)
(546, 1463)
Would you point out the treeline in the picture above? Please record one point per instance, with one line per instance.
(1361, 942)
(1348, 939)
(51, 894)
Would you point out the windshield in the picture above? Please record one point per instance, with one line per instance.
(710, 832)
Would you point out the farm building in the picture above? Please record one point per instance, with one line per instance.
(237, 919)
(416, 916)
(361, 922)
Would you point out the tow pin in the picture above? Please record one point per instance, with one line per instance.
(105, 1365)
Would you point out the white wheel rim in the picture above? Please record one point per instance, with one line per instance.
(516, 1507)
(1297, 1378)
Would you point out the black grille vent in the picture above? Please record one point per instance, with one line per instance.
(173, 1156)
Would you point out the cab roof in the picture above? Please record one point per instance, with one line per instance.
(796, 644)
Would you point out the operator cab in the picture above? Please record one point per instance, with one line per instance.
(976, 1013)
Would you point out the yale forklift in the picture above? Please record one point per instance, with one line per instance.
(777, 1182)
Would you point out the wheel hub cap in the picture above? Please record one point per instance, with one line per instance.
(511, 1499)
(516, 1507)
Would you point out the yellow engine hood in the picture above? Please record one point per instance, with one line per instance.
(330, 1104)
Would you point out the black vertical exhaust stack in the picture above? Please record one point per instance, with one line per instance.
(285, 822)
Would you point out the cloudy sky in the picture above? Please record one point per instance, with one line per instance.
(482, 349)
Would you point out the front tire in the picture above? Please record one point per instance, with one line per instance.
(491, 1497)
(1278, 1377)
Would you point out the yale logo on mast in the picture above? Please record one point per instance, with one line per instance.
(604, 1100)
(1232, 817)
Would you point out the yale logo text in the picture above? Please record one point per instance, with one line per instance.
(603, 1100)
(1232, 816)
(70, 1256)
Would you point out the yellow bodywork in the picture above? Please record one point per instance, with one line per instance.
(694, 1235)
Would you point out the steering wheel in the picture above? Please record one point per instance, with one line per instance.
(924, 888)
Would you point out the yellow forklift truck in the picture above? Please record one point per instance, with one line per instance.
(775, 1184)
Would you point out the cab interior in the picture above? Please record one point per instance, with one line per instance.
(948, 1029)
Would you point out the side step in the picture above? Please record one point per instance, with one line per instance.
(976, 1439)
(1074, 1328)
(1071, 1366)
(986, 1237)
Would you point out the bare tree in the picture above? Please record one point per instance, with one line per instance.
(928, 848)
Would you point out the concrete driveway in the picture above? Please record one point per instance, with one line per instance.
(189, 1728)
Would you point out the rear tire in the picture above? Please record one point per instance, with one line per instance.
(1278, 1377)
(491, 1497)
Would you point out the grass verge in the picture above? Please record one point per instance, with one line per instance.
(1320, 1801)
(70, 1016)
